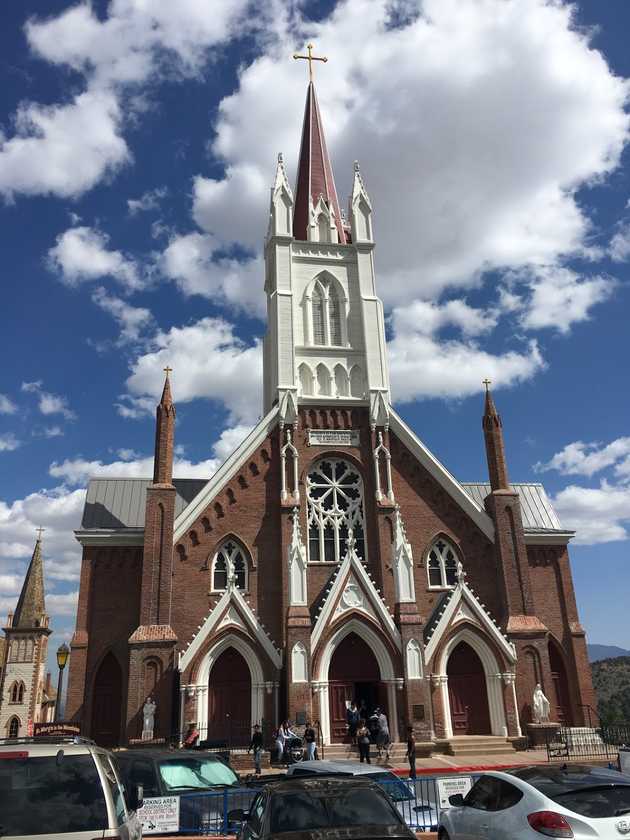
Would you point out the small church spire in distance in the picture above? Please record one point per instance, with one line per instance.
(164, 434)
(314, 174)
(31, 607)
(495, 449)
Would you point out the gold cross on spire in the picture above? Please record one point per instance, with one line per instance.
(487, 382)
(168, 370)
(40, 531)
(310, 58)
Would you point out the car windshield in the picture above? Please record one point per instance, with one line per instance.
(392, 785)
(305, 810)
(52, 794)
(195, 773)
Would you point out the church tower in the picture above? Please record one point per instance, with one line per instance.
(325, 341)
(26, 646)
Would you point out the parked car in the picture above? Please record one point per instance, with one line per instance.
(184, 773)
(545, 800)
(63, 788)
(416, 810)
(320, 807)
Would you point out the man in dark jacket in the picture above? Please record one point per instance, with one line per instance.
(256, 745)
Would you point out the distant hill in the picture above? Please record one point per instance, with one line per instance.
(611, 680)
(597, 652)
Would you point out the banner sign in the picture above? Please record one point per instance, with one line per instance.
(60, 729)
(159, 814)
(449, 787)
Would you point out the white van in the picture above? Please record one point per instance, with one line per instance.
(63, 789)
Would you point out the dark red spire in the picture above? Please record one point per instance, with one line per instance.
(495, 449)
(164, 436)
(314, 175)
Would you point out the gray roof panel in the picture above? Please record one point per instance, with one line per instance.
(536, 509)
(120, 502)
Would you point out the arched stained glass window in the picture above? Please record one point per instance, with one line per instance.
(335, 505)
(230, 556)
(334, 316)
(442, 565)
(319, 316)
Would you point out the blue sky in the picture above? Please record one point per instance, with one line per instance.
(137, 147)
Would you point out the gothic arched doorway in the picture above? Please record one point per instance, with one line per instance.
(107, 703)
(560, 695)
(353, 675)
(467, 692)
(230, 700)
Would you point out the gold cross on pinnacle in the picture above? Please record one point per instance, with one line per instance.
(168, 370)
(487, 382)
(40, 531)
(310, 58)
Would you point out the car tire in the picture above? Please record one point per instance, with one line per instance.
(443, 834)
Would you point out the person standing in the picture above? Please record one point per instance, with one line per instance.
(363, 740)
(310, 739)
(411, 752)
(383, 739)
(352, 718)
(256, 744)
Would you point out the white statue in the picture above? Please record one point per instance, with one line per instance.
(540, 706)
(148, 720)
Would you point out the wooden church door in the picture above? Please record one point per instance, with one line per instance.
(107, 703)
(468, 695)
(230, 700)
(560, 688)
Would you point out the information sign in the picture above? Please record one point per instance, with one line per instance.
(449, 787)
(159, 814)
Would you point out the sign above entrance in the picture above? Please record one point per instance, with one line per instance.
(333, 437)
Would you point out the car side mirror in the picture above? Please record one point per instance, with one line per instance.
(238, 815)
(456, 800)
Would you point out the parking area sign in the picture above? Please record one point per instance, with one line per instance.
(159, 814)
(449, 787)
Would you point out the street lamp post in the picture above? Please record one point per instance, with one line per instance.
(63, 652)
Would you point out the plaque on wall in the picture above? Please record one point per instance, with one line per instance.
(333, 437)
(418, 712)
(300, 718)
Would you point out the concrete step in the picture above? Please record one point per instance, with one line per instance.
(478, 745)
(349, 752)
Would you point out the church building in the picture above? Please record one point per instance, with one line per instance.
(332, 557)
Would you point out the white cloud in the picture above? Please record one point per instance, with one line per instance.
(580, 458)
(7, 406)
(9, 442)
(82, 254)
(52, 432)
(191, 261)
(558, 298)
(599, 515)
(423, 366)
(49, 403)
(620, 244)
(10, 583)
(77, 471)
(63, 150)
(229, 440)
(150, 200)
(127, 454)
(132, 320)
(209, 361)
(473, 148)
(62, 604)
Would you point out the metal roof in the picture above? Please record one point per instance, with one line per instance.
(121, 502)
(538, 514)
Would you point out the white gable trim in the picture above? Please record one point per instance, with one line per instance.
(463, 594)
(213, 620)
(226, 471)
(351, 565)
(441, 474)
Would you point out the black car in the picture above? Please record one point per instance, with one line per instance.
(172, 772)
(318, 808)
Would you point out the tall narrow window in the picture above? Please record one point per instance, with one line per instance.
(334, 316)
(229, 557)
(335, 505)
(442, 565)
(319, 317)
(14, 727)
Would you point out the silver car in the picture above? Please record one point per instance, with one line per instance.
(63, 790)
(542, 801)
(412, 799)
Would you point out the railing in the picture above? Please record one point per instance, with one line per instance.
(235, 737)
(417, 801)
(590, 711)
(588, 743)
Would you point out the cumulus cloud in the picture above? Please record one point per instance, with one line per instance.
(133, 321)
(9, 442)
(7, 406)
(63, 150)
(77, 471)
(49, 403)
(472, 153)
(620, 244)
(82, 254)
(150, 200)
(191, 260)
(209, 361)
(598, 515)
(579, 458)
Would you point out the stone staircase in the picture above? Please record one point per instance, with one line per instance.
(335, 752)
(477, 745)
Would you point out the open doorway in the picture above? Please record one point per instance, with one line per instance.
(353, 676)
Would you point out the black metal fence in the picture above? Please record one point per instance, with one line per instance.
(587, 743)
